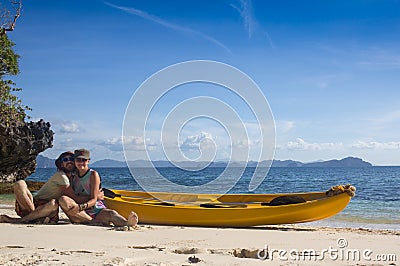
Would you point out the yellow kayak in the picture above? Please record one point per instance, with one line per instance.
(229, 210)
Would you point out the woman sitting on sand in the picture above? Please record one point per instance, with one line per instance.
(87, 183)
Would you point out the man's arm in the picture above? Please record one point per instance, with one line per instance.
(68, 191)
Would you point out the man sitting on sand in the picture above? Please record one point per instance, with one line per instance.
(43, 205)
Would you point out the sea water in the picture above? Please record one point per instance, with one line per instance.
(376, 204)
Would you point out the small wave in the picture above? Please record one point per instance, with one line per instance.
(355, 225)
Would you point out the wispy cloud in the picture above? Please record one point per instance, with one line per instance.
(388, 118)
(324, 81)
(384, 124)
(160, 21)
(246, 12)
(249, 21)
(380, 58)
(284, 126)
(362, 55)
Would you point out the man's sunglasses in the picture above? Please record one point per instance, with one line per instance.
(67, 159)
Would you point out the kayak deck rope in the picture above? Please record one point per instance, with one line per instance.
(336, 190)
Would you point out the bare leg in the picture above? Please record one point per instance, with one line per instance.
(67, 204)
(23, 196)
(47, 210)
(24, 199)
(108, 216)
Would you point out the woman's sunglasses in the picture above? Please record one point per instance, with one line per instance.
(67, 159)
(80, 160)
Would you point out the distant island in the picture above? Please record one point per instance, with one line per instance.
(44, 162)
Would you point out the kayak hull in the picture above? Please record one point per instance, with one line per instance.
(230, 210)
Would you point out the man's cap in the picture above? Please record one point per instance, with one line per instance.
(82, 153)
(58, 161)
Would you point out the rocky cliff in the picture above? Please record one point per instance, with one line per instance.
(19, 146)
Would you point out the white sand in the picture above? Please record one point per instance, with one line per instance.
(67, 244)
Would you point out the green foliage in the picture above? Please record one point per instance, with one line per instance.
(8, 58)
(11, 108)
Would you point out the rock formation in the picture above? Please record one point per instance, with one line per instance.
(19, 146)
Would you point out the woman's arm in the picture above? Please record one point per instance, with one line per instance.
(94, 189)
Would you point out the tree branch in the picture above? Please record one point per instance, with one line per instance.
(17, 5)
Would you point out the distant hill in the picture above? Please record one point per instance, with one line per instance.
(346, 162)
(108, 163)
(286, 163)
(44, 162)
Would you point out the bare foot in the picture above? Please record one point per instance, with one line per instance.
(132, 219)
(2, 218)
(46, 220)
(7, 219)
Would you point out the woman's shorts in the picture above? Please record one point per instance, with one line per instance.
(96, 209)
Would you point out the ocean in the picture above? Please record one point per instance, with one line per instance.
(376, 204)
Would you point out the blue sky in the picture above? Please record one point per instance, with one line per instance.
(330, 71)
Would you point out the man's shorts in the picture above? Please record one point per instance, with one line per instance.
(37, 203)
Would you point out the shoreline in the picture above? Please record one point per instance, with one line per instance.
(70, 244)
(7, 202)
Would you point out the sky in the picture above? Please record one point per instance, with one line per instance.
(329, 71)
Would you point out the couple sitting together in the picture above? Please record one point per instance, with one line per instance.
(75, 188)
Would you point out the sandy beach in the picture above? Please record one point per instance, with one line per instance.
(70, 244)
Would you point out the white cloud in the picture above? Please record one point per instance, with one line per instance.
(193, 142)
(69, 127)
(131, 143)
(242, 144)
(300, 144)
(376, 145)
